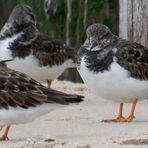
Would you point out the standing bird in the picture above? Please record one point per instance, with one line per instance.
(33, 53)
(114, 68)
(22, 99)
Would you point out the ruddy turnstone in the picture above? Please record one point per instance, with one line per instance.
(34, 53)
(114, 68)
(22, 99)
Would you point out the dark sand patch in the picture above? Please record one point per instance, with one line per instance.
(84, 146)
(135, 142)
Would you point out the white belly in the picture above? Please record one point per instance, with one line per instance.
(114, 84)
(19, 115)
(30, 66)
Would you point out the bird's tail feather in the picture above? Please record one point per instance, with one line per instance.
(60, 97)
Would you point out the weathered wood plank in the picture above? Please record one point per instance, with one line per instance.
(133, 20)
(125, 19)
(140, 21)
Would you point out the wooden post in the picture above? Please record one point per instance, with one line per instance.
(133, 20)
(68, 22)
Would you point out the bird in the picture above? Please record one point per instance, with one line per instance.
(114, 68)
(23, 99)
(34, 53)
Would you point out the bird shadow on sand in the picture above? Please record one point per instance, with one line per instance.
(140, 121)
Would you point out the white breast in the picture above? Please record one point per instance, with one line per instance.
(5, 53)
(114, 84)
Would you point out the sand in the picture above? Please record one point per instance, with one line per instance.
(80, 126)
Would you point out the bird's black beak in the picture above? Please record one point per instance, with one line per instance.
(93, 45)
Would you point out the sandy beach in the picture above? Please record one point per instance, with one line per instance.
(80, 126)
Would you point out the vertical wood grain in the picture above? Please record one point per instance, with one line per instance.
(133, 20)
(140, 21)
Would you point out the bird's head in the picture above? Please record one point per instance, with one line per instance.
(98, 37)
(21, 17)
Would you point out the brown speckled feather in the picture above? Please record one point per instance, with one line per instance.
(133, 57)
(51, 52)
(17, 89)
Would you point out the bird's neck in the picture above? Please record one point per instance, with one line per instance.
(20, 34)
(16, 40)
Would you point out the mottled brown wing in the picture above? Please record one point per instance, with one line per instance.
(48, 51)
(17, 89)
(134, 58)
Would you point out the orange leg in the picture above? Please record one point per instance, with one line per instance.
(5, 135)
(49, 83)
(1, 127)
(131, 116)
(120, 118)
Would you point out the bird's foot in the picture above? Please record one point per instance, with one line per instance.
(49, 83)
(118, 119)
(130, 118)
(5, 135)
(1, 127)
(4, 138)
